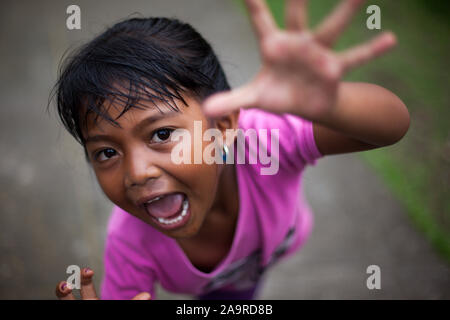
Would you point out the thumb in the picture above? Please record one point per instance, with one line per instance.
(142, 296)
(223, 103)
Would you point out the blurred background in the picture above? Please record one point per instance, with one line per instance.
(388, 207)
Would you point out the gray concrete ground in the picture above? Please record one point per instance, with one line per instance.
(53, 214)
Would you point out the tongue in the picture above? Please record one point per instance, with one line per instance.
(166, 206)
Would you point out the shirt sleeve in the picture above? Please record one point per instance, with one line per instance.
(127, 271)
(303, 137)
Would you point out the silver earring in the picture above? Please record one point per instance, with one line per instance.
(225, 153)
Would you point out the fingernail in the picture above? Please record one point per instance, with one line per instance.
(63, 286)
(86, 270)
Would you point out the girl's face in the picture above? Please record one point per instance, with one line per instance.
(133, 163)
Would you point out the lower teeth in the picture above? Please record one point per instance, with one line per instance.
(177, 219)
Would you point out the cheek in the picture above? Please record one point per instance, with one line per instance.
(200, 179)
(112, 188)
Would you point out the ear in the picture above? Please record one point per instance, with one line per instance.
(229, 121)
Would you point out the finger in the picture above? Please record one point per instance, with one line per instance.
(296, 15)
(63, 291)
(330, 29)
(223, 103)
(261, 18)
(142, 296)
(87, 285)
(361, 54)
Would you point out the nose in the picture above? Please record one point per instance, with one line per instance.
(140, 168)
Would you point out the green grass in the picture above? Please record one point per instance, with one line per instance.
(417, 169)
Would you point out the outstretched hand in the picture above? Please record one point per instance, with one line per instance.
(300, 72)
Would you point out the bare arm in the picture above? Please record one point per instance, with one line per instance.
(366, 116)
(301, 75)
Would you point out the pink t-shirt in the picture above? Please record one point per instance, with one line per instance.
(274, 221)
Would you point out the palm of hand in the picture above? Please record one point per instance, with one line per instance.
(297, 73)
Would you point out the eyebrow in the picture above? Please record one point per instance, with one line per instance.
(137, 128)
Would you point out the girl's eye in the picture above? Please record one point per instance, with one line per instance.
(161, 135)
(108, 153)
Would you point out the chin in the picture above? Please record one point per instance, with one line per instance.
(182, 233)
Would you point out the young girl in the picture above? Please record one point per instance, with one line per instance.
(212, 229)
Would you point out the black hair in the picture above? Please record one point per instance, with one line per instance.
(151, 59)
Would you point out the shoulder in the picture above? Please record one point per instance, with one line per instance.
(261, 119)
(294, 135)
(126, 230)
(129, 266)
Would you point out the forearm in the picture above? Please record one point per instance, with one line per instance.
(368, 113)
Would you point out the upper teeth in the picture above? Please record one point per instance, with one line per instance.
(183, 213)
(154, 199)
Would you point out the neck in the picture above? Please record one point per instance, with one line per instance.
(224, 210)
(226, 190)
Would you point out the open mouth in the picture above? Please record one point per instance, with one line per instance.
(169, 211)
